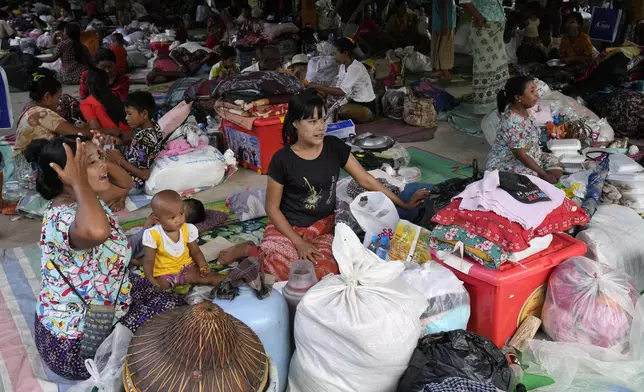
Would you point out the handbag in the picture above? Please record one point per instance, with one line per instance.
(98, 321)
(418, 111)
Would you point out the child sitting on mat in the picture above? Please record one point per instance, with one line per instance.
(195, 213)
(147, 139)
(172, 256)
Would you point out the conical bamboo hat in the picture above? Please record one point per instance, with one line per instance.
(195, 349)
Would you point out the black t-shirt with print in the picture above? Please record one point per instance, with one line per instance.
(309, 185)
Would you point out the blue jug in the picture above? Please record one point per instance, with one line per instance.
(269, 319)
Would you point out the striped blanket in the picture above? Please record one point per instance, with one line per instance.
(21, 369)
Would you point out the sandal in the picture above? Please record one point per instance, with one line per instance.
(9, 210)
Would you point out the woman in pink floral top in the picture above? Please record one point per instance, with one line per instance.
(516, 147)
(85, 256)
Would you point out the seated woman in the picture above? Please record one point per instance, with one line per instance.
(516, 147)
(575, 44)
(118, 46)
(84, 259)
(39, 120)
(402, 27)
(548, 44)
(65, 16)
(119, 84)
(102, 109)
(73, 54)
(300, 198)
(354, 84)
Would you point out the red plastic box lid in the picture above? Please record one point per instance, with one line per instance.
(265, 122)
(561, 249)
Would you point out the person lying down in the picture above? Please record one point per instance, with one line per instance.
(172, 255)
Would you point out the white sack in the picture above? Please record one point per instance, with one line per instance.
(355, 331)
(198, 169)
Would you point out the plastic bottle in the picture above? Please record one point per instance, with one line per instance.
(373, 246)
(383, 249)
(212, 126)
(300, 279)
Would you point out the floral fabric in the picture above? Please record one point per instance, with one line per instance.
(96, 273)
(490, 65)
(70, 68)
(490, 10)
(146, 145)
(518, 132)
(508, 235)
(36, 122)
(484, 251)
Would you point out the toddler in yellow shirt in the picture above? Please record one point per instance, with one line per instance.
(172, 255)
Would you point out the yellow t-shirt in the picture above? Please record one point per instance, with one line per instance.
(171, 257)
(216, 69)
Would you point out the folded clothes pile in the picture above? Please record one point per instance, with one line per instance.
(505, 217)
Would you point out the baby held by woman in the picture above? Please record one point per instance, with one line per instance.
(172, 256)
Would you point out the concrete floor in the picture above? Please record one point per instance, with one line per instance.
(447, 142)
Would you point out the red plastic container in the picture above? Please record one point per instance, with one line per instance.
(254, 148)
(162, 48)
(501, 299)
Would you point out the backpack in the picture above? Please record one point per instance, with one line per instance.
(195, 89)
(19, 67)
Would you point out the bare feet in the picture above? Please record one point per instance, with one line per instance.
(194, 276)
(447, 75)
(234, 253)
(118, 205)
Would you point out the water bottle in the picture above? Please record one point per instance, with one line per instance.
(383, 249)
(373, 246)
(212, 126)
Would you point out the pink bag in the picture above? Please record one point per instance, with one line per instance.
(175, 117)
(166, 65)
(589, 303)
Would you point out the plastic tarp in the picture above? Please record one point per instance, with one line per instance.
(614, 237)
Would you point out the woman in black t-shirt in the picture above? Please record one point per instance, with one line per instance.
(300, 198)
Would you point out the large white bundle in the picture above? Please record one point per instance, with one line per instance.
(204, 167)
(355, 331)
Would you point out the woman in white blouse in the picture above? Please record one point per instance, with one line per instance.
(354, 84)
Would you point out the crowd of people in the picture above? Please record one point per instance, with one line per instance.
(85, 157)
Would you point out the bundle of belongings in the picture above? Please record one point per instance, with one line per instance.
(283, 35)
(505, 217)
(243, 98)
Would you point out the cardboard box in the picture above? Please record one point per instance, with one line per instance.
(342, 129)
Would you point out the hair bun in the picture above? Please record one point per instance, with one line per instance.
(34, 150)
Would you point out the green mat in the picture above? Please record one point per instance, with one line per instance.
(435, 168)
(219, 205)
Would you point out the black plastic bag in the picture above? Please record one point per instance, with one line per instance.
(455, 354)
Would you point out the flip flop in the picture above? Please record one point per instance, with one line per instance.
(10, 210)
